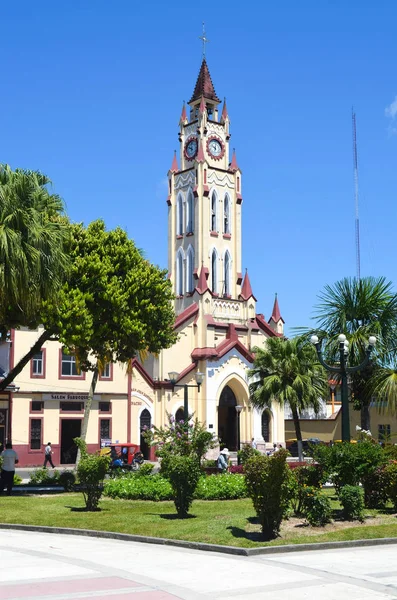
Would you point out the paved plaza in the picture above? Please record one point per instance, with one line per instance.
(61, 567)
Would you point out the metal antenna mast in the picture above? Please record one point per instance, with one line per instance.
(357, 219)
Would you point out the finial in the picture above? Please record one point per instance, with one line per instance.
(204, 39)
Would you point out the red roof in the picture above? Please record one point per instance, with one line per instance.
(204, 86)
(183, 115)
(202, 286)
(224, 115)
(276, 315)
(266, 327)
(174, 166)
(189, 312)
(246, 289)
(233, 165)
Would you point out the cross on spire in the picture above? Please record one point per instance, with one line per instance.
(204, 39)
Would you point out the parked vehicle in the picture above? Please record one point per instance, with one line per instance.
(124, 456)
(292, 445)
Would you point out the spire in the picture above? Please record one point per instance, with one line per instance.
(183, 114)
(200, 153)
(224, 115)
(204, 86)
(276, 315)
(233, 165)
(202, 286)
(174, 166)
(246, 289)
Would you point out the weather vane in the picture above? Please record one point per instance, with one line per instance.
(204, 39)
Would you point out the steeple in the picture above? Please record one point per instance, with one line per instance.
(246, 289)
(174, 166)
(233, 165)
(204, 86)
(224, 115)
(276, 315)
(183, 118)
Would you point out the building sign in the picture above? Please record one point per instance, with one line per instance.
(72, 397)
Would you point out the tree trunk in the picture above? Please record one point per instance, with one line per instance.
(44, 337)
(295, 416)
(87, 409)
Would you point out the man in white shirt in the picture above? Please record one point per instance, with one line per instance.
(10, 458)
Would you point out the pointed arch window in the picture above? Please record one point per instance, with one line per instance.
(179, 216)
(190, 213)
(214, 272)
(226, 274)
(226, 215)
(190, 271)
(214, 212)
(179, 273)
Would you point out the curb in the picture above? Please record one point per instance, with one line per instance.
(234, 550)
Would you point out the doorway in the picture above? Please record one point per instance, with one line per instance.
(145, 423)
(70, 428)
(227, 419)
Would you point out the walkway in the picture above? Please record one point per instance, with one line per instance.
(61, 567)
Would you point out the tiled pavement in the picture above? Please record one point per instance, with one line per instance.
(61, 567)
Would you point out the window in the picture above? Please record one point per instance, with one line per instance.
(106, 371)
(266, 426)
(104, 407)
(35, 434)
(180, 415)
(72, 406)
(384, 433)
(37, 406)
(104, 429)
(179, 216)
(226, 215)
(179, 274)
(226, 267)
(214, 204)
(68, 365)
(214, 273)
(38, 364)
(189, 271)
(145, 420)
(190, 213)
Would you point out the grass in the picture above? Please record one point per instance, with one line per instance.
(231, 522)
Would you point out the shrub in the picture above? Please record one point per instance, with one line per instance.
(67, 479)
(91, 472)
(183, 473)
(351, 498)
(43, 477)
(391, 485)
(312, 475)
(17, 479)
(208, 464)
(316, 507)
(221, 487)
(267, 481)
(145, 470)
(375, 488)
(247, 452)
(236, 469)
(131, 487)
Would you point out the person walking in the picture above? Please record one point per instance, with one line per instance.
(10, 458)
(47, 456)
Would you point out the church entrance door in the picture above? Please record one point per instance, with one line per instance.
(227, 419)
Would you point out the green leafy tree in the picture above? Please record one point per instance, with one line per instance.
(287, 371)
(33, 260)
(360, 308)
(114, 305)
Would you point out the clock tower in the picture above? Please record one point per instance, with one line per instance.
(204, 215)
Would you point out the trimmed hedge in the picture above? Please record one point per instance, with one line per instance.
(155, 487)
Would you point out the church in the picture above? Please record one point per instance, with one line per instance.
(216, 321)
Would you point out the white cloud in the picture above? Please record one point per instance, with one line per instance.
(391, 111)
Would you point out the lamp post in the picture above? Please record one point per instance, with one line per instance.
(343, 370)
(238, 408)
(173, 377)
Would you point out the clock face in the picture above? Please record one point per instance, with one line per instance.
(191, 147)
(215, 148)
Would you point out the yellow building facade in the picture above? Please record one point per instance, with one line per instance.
(216, 320)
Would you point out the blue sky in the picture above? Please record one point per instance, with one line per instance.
(92, 93)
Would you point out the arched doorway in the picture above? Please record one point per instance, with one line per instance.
(266, 419)
(180, 415)
(144, 424)
(227, 419)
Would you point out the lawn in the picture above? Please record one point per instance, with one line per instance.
(226, 522)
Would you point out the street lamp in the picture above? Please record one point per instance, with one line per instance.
(173, 377)
(238, 408)
(343, 370)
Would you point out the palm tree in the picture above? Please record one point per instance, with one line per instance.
(359, 308)
(287, 371)
(33, 232)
